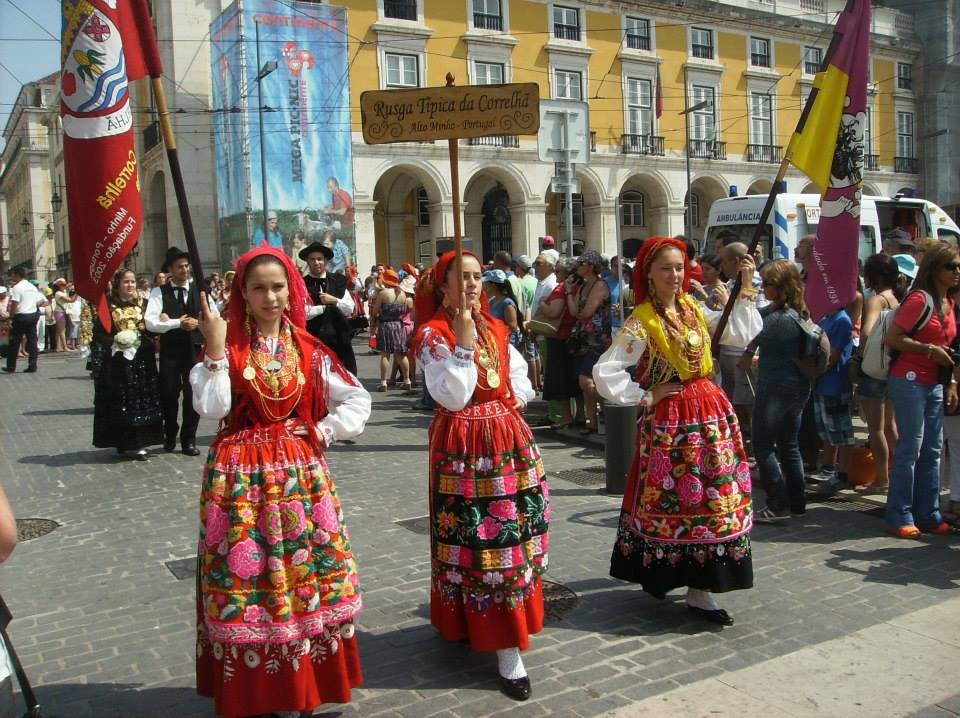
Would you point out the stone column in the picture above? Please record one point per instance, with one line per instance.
(528, 224)
(365, 234)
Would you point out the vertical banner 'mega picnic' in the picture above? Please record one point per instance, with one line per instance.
(104, 46)
(306, 137)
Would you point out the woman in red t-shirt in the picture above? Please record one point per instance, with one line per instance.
(560, 371)
(916, 381)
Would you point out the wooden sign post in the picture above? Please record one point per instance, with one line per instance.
(450, 113)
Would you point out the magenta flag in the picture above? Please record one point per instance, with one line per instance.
(840, 89)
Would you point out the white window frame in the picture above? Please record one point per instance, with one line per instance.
(383, 19)
(902, 114)
(868, 139)
(697, 95)
(750, 53)
(478, 62)
(577, 205)
(713, 42)
(901, 77)
(807, 49)
(755, 102)
(387, 55)
(636, 204)
(633, 87)
(649, 36)
(555, 86)
(504, 17)
(580, 16)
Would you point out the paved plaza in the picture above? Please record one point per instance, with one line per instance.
(843, 621)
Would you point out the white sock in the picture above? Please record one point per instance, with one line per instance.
(701, 599)
(509, 664)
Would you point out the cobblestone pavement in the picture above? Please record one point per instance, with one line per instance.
(105, 629)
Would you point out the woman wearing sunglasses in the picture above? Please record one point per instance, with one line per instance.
(921, 379)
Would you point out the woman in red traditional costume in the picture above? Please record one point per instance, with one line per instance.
(278, 585)
(686, 513)
(489, 503)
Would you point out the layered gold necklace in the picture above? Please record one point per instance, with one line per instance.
(270, 370)
(488, 357)
(682, 329)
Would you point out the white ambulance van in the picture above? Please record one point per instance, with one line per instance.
(795, 215)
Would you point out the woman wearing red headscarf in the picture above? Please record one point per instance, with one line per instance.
(278, 585)
(489, 502)
(686, 513)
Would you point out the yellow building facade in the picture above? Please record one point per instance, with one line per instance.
(745, 73)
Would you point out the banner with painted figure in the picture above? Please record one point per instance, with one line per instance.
(306, 140)
(104, 46)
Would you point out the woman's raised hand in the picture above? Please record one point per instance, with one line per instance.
(213, 327)
(463, 325)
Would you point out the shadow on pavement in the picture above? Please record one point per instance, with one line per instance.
(120, 700)
(901, 566)
(75, 458)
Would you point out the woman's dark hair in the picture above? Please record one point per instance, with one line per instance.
(933, 260)
(713, 260)
(508, 292)
(880, 272)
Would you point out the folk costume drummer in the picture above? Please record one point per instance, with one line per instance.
(489, 502)
(686, 515)
(278, 584)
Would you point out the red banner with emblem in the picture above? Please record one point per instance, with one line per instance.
(106, 44)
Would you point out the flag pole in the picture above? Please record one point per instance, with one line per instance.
(781, 173)
(173, 157)
(454, 146)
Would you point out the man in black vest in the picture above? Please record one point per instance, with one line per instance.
(332, 304)
(172, 312)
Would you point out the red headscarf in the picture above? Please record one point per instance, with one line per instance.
(298, 301)
(429, 298)
(641, 272)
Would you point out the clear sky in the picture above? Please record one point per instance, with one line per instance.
(27, 50)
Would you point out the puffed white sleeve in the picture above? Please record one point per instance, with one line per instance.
(151, 317)
(610, 373)
(210, 382)
(348, 406)
(519, 377)
(345, 304)
(743, 324)
(450, 374)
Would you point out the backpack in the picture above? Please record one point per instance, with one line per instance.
(881, 358)
(815, 354)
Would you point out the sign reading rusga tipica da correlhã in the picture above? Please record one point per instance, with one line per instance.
(443, 113)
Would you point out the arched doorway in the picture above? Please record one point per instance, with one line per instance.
(406, 216)
(496, 229)
(704, 191)
(760, 186)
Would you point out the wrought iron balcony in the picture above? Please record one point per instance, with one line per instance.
(566, 32)
(483, 21)
(400, 10)
(871, 162)
(907, 165)
(593, 141)
(702, 51)
(638, 42)
(707, 149)
(641, 145)
(495, 141)
(764, 153)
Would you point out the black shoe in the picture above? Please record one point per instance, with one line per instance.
(767, 515)
(8, 370)
(718, 615)
(30, 371)
(516, 688)
(141, 455)
(170, 445)
(190, 450)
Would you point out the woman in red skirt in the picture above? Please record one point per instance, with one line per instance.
(278, 585)
(686, 513)
(489, 502)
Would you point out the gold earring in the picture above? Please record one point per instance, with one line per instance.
(246, 321)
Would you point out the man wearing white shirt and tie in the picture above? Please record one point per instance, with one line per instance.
(172, 312)
(24, 308)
